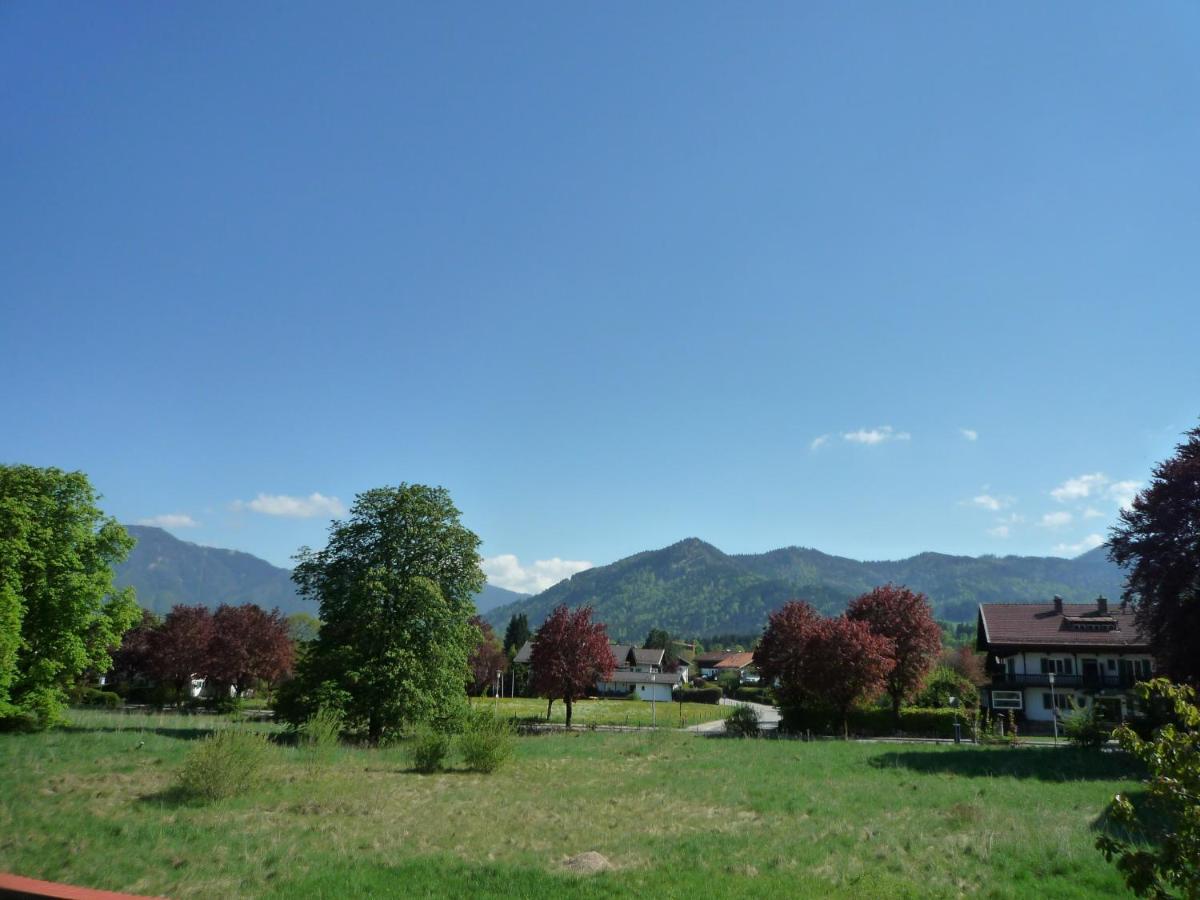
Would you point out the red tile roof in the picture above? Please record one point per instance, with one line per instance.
(1040, 625)
(736, 661)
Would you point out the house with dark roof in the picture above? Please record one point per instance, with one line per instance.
(1046, 659)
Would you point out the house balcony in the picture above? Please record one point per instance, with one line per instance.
(1089, 682)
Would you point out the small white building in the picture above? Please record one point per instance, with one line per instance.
(641, 685)
(1095, 654)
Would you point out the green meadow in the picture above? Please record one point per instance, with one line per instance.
(675, 815)
(608, 712)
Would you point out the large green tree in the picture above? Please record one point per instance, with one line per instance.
(1158, 538)
(59, 613)
(395, 586)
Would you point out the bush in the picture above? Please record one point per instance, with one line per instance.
(429, 749)
(742, 722)
(94, 697)
(942, 684)
(711, 694)
(762, 695)
(225, 763)
(871, 721)
(1084, 728)
(321, 734)
(486, 742)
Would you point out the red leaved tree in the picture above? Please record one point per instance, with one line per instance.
(179, 647)
(569, 656)
(249, 644)
(132, 659)
(846, 664)
(904, 617)
(780, 654)
(486, 659)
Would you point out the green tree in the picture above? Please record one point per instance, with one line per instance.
(1158, 852)
(395, 586)
(516, 634)
(60, 616)
(303, 627)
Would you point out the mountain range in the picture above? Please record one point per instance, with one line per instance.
(692, 589)
(164, 571)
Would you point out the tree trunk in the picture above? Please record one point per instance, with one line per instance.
(845, 725)
(374, 729)
(896, 698)
(567, 700)
(549, 703)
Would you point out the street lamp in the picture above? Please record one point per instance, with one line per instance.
(499, 688)
(1054, 707)
(957, 727)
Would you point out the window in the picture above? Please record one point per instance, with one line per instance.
(1141, 669)
(1062, 701)
(1006, 700)
(1112, 665)
(1010, 665)
(1057, 666)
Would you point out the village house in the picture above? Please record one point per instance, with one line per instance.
(637, 673)
(1092, 652)
(742, 664)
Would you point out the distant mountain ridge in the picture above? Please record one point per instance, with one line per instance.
(165, 570)
(694, 589)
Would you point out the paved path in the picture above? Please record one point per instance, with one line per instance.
(768, 718)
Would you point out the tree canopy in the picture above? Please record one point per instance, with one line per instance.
(570, 654)
(60, 615)
(904, 618)
(1158, 539)
(516, 634)
(395, 585)
(487, 659)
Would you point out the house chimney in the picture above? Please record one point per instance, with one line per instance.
(1102, 605)
(1058, 604)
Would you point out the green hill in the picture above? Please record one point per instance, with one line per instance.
(693, 589)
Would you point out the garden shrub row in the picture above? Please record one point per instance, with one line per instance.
(711, 694)
(875, 721)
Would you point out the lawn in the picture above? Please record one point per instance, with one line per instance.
(611, 712)
(676, 814)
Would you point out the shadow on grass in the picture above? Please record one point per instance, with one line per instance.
(1151, 824)
(1043, 764)
(182, 734)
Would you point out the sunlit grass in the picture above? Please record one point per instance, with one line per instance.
(676, 814)
(638, 713)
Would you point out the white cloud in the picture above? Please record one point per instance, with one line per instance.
(995, 504)
(1092, 513)
(506, 571)
(1000, 531)
(170, 520)
(871, 436)
(1079, 488)
(1056, 519)
(293, 507)
(1088, 543)
(969, 433)
(1124, 492)
(818, 443)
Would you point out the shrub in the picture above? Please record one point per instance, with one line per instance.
(710, 694)
(95, 697)
(762, 695)
(1084, 728)
(429, 749)
(321, 733)
(742, 722)
(225, 763)
(942, 684)
(486, 742)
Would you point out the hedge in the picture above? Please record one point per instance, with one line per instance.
(698, 695)
(875, 722)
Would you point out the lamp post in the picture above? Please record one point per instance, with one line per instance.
(499, 689)
(653, 704)
(957, 727)
(1054, 707)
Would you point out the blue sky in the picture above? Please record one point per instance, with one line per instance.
(867, 278)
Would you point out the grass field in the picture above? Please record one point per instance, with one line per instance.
(676, 814)
(610, 712)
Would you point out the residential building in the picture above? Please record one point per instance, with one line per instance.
(637, 672)
(1094, 652)
(742, 663)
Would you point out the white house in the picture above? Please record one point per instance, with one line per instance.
(1095, 654)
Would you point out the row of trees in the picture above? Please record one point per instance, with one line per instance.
(234, 647)
(886, 642)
